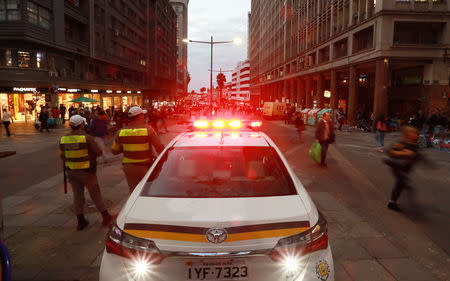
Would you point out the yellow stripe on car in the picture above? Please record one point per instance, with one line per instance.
(200, 238)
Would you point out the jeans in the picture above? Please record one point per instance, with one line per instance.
(6, 124)
(323, 156)
(379, 138)
(401, 183)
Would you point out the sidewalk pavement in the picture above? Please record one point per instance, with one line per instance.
(40, 226)
(369, 241)
(23, 138)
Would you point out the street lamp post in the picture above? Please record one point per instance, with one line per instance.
(236, 41)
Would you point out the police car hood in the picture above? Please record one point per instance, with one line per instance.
(213, 224)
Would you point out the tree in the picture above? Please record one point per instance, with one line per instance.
(221, 79)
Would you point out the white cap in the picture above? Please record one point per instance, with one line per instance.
(76, 120)
(135, 111)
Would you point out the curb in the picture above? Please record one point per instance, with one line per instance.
(7, 153)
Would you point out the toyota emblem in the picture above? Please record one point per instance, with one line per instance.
(216, 235)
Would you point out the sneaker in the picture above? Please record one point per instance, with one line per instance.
(393, 206)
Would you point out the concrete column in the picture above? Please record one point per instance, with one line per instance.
(300, 92)
(281, 91)
(351, 11)
(308, 87)
(380, 102)
(293, 94)
(320, 88)
(333, 89)
(352, 96)
(333, 8)
(286, 89)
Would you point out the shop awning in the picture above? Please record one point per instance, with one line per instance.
(83, 99)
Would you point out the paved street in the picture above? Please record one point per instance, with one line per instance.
(369, 242)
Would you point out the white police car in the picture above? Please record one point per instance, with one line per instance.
(220, 203)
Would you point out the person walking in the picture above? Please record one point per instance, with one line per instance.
(325, 135)
(43, 118)
(99, 129)
(135, 141)
(79, 152)
(300, 125)
(63, 109)
(402, 157)
(163, 119)
(381, 128)
(5, 120)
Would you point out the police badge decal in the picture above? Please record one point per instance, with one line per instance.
(322, 270)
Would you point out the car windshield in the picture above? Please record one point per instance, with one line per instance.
(219, 172)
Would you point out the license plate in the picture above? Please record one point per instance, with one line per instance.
(217, 270)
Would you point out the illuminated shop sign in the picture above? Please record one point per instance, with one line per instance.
(138, 92)
(62, 89)
(73, 90)
(94, 91)
(109, 91)
(128, 92)
(19, 89)
(118, 92)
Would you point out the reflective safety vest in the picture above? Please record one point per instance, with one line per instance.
(135, 145)
(75, 152)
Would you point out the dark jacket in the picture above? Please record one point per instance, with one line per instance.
(43, 116)
(320, 132)
(99, 126)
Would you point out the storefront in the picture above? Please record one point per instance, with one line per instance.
(120, 99)
(22, 102)
(25, 103)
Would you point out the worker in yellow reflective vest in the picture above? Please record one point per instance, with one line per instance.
(135, 141)
(79, 152)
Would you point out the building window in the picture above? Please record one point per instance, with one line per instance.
(9, 10)
(5, 58)
(418, 33)
(363, 39)
(40, 60)
(38, 15)
(76, 3)
(44, 17)
(23, 59)
(340, 48)
(8, 58)
(32, 12)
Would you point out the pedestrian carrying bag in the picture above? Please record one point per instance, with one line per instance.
(315, 151)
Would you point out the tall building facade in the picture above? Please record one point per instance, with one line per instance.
(240, 82)
(162, 50)
(52, 51)
(181, 9)
(385, 57)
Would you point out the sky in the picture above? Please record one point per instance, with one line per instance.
(224, 20)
